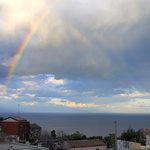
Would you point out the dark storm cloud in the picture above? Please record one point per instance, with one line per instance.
(91, 46)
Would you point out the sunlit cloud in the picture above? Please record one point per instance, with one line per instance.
(66, 91)
(30, 83)
(29, 103)
(14, 95)
(52, 80)
(137, 94)
(68, 103)
(31, 95)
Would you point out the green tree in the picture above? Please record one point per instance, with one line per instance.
(1, 119)
(95, 137)
(33, 137)
(53, 134)
(110, 140)
(76, 136)
(131, 135)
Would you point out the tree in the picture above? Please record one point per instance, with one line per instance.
(61, 135)
(33, 137)
(131, 135)
(95, 137)
(53, 134)
(110, 140)
(76, 136)
(1, 119)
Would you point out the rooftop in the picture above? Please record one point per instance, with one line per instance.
(17, 118)
(34, 125)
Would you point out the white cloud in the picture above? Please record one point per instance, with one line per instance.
(136, 94)
(14, 95)
(67, 103)
(31, 95)
(52, 80)
(29, 103)
(30, 83)
(20, 13)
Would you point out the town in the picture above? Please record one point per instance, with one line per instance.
(17, 133)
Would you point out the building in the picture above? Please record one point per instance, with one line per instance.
(16, 126)
(20, 146)
(145, 131)
(35, 130)
(127, 145)
(84, 145)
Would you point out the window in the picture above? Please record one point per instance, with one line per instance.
(21, 127)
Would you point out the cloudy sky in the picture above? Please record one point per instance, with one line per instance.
(84, 56)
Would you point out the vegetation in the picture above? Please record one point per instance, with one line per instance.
(131, 135)
(33, 137)
(75, 136)
(53, 134)
(1, 119)
(95, 137)
(110, 140)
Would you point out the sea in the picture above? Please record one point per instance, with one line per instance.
(89, 124)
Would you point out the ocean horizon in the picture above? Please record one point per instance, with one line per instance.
(90, 124)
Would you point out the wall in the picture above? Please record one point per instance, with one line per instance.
(133, 145)
(10, 127)
(91, 148)
(23, 130)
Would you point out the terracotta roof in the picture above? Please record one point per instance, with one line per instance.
(16, 118)
(84, 143)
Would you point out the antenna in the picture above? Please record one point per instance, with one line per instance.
(18, 109)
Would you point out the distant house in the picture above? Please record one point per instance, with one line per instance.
(16, 126)
(145, 135)
(145, 131)
(35, 129)
(84, 145)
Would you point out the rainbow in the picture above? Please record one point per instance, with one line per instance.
(25, 42)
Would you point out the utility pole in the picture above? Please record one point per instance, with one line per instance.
(18, 109)
(116, 148)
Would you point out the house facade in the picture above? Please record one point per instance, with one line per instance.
(84, 145)
(35, 130)
(16, 126)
